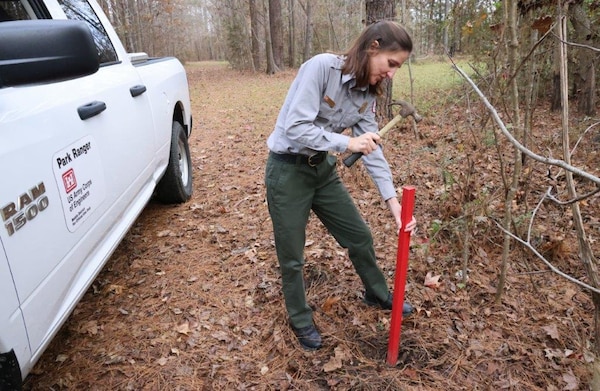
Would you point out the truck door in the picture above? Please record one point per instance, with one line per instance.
(74, 156)
(13, 336)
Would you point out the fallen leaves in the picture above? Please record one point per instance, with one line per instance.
(221, 336)
(329, 303)
(336, 361)
(183, 328)
(114, 289)
(202, 291)
(571, 380)
(164, 233)
(559, 354)
(551, 331)
(89, 327)
(162, 361)
(432, 281)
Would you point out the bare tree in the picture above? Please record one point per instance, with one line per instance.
(584, 82)
(377, 10)
(276, 32)
(307, 30)
(510, 17)
(254, 32)
(574, 201)
(585, 252)
(236, 33)
(271, 66)
(292, 35)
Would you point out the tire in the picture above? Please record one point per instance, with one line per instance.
(175, 186)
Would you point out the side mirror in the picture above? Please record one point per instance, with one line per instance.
(41, 51)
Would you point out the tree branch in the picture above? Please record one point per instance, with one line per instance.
(576, 44)
(581, 138)
(548, 263)
(574, 200)
(516, 143)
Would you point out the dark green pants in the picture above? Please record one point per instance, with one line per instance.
(292, 191)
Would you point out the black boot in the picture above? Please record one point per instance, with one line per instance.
(309, 337)
(374, 301)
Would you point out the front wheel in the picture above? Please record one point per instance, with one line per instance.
(175, 186)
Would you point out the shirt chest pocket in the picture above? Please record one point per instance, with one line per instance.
(349, 119)
(329, 117)
(336, 119)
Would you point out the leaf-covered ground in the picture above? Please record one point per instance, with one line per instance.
(191, 299)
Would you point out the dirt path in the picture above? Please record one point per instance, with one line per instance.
(191, 299)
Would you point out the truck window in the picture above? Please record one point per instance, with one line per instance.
(81, 10)
(12, 10)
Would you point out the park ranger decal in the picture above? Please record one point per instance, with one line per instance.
(80, 180)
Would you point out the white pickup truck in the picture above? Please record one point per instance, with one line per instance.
(88, 135)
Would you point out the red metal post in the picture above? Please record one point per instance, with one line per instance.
(408, 202)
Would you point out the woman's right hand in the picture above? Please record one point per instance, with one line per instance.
(365, 143)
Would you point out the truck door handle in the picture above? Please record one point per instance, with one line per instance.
(137, 90)
(91, 109)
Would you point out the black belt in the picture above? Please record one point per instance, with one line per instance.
(313, 160)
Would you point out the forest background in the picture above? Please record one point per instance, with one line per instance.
(529, 60)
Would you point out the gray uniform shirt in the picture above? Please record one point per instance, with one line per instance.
(320, 104)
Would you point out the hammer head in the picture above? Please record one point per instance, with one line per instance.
(406, 109)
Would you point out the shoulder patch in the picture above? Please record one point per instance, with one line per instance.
(363, 107)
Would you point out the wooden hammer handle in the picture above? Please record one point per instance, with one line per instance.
(350, 160)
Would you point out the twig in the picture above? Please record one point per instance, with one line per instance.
(581, 138)
(574, 200)
(576, 44)
(516, 143)
(548, 263)
(534, 272)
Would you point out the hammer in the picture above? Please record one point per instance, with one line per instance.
(406, 109)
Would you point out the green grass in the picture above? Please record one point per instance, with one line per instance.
(434, 82)
(208, 64)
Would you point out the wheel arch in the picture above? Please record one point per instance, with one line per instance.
(180, 115)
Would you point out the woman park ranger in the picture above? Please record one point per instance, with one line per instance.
(329, 94)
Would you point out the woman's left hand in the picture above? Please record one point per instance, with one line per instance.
(410, 227)
(396, 210)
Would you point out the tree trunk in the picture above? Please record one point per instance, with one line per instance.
(377, 10)
(333, 41)
(236, 33)
(446, 28)
(585, 251)
(271, 66)
(380, 10)
(555, 101)
(431, 28)
(584, 76)
(254, 31)
(308, 33)
(292, 35)
(276, 27)
(511, 21)
(403, 12)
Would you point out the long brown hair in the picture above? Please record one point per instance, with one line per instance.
(391, 37)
